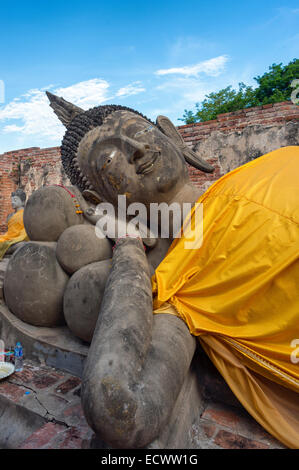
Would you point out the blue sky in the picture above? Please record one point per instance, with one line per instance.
(159, 57)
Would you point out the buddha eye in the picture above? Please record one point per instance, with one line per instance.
(105, 159)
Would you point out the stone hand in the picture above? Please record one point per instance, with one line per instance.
(114, 228)
(90, 215)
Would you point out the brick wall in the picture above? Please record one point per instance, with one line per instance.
(28, 169)
(226, 142)
(238, 137)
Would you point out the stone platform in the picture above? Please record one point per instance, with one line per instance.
(3, 265)
(40, 407)
(56, 347)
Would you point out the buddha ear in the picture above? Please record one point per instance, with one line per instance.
(92, 196)
(190, 156)
(170, 130)
(64, 110)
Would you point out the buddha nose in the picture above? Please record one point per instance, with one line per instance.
(135, 149)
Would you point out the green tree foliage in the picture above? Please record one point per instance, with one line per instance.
(273, 86)
(223, 101)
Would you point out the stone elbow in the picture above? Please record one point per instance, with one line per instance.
(110, 410)
(113, 412)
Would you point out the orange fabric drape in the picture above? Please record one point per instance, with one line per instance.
(239, 289)
(15, 232)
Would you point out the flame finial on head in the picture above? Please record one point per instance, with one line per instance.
(64, 110)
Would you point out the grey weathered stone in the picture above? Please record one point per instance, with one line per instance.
(55, 346)
(137, 362)
(83, 297)
(14, 248)
(236, 148)
(34, 284)
(3, 266)
(79, 245)
(48, 212)
(16, 423)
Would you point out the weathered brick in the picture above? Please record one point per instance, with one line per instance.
(294, 117)
(208, 428)
(74, 410)
(43, 379)
(229, 440)
(281, 103)
(70, 384)
(11, 391)
(24, 377)
(222, 416)
(13, 173)
(72, 438)
(43, 437)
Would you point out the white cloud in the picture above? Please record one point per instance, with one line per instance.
(212, 67)
(85, 94)
(35, 116)
(12, 128)
(31, 115)
(188, 89)
(185, 47)
(131, 89)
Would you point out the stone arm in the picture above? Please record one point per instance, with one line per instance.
(137, 361)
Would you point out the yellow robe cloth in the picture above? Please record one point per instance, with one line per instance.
(239, 291)
(15, 232)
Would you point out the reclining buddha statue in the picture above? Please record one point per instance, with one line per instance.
(145, 304)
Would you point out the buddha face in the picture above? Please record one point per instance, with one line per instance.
(128, 155)
(16, 202)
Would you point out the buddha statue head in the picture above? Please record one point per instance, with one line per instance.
(111, 150)
(18, 199)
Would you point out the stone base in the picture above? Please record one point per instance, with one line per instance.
(40, 408)
(3, 266)
(179, 431)
(207, 416)
(55, 347)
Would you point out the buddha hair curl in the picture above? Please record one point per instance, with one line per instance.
(78, 128)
